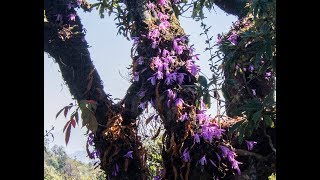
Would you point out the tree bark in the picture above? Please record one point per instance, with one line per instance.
(117, 131)
(64, 41)
(234, 7)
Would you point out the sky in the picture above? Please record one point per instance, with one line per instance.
(110, 54)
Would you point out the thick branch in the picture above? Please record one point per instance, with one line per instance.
(234, 7)
(64, 41)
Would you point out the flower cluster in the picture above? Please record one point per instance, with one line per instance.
(95, 153)
(230, 155)
(173, 63)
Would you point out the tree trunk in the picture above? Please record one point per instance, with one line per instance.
(117, 132)
(64, 41)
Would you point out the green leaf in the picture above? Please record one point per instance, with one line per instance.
(207, 99)
(76, 115)
(268, 49)
(268, 121)
(256, 116)
(59, 112)
(235, 126)
(89, 119)
(241, 132)
(83, 104)
(203, 81)
(252, 105)
(250, 128)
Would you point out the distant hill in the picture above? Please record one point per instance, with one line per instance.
(81, 156)
(58, 165)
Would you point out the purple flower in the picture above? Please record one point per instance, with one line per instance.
(163, 2)
(90, 139)
(142, 93)
(136, 76)
(135, 40)
(194, 69)
(142, 105)
(191, 48)
(186, 156)
(268, 74)
(79, 2)
(165, 53)
(164, 25)
(176, 1)
(237, 66)
(251, 68)
(116, 170)
(157, 178)
(203, 106)
(152, 104)
(233, 38)
(72, 17)
(250, 144)
(91, 135)
(179, 102)
(171, 77)
(140, 60)
(93, 155)
(218, 156)
(182, 38)
(235, 165)
(59, 17)
(227, 153)
(157, 63)
(214, 164)
(244, 69)
(159, 75)
(153, 44)
(166, 67)
(152, 80)
(219, 39)
(168, 103)
(211, 131)
(196, 138)
(97, 153)
(176, 47)
(196, 56)
(254, 92)
(184, 117)
(154, 34)
(151, 6)
(163, 17)
(171, 94)
(180, 77)
(202, 118)
(69, 5)
(203, 160)
(169, 59)
(129, 154)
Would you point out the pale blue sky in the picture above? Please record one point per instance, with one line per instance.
(111, 54)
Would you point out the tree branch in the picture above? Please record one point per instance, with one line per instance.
(234, 7)
(64, 41)
(242, 152)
